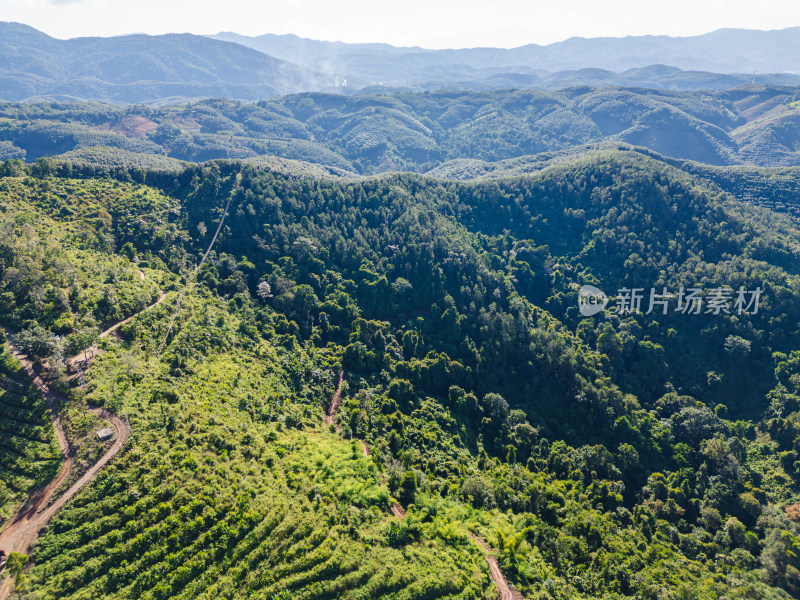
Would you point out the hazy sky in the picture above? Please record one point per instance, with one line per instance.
(429, 23)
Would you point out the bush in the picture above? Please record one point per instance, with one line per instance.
(478, 491)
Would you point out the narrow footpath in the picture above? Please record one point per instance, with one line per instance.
(336, 402)
(504, 589)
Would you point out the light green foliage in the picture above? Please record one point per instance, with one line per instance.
(16, 562)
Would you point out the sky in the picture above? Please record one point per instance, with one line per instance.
(427, 23)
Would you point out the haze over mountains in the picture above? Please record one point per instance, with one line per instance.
(155, 69)
(367, 108)
(725, 51)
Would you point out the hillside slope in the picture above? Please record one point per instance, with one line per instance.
(622, 455)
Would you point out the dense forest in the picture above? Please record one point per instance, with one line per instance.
(621, 455)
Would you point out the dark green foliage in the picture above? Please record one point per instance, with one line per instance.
(36, 342)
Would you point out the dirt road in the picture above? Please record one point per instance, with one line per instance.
(26, 523)
(84, 358)
(505, 590)
(397, 509)
(31, 517)
(336, 401)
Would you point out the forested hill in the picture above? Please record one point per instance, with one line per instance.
(775, 188)
(363, 134)
(619, 455)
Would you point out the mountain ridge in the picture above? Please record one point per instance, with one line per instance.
(722, 51)
(417, 131)
(139, 68)
(34, 64)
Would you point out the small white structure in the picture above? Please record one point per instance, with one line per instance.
(105, 434)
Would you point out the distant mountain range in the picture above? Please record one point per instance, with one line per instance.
(726, 51)
(141, 68)
(165, 68)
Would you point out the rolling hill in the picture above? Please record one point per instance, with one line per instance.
(418, 131)
(333, 345)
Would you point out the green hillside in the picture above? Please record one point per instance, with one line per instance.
(613, 456)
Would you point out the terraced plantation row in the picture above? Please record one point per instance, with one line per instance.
(29, 454)
(231, 487)
(311, 520)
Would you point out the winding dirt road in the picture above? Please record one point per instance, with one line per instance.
(93, 351)
(31, 517)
